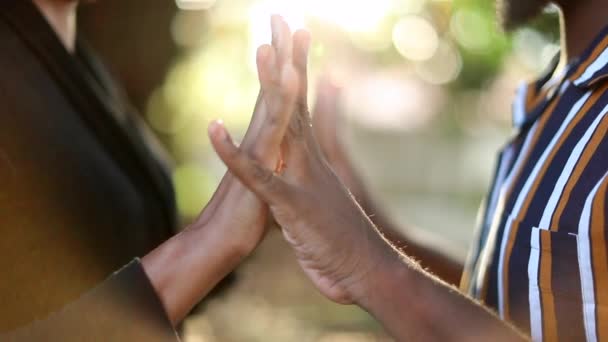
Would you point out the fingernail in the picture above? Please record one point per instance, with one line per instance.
(216, 128)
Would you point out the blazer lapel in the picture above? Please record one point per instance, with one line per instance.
(104, 114)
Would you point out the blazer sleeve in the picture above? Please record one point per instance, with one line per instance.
(124, 307)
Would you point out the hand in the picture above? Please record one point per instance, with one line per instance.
(325, 119)
(233, 204)
(334, 241)
(338, 246)
(326, 126)
(183, 269)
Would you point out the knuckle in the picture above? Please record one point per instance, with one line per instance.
(261, 174)
(272, 185)
(234, 153)
(297, 125)
(273, 120)
(255, 154)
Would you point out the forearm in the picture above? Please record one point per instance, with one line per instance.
(187, 267)
(427, 252)
(413, 305)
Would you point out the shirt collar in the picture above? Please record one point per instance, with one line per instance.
(531, 96)
(590, 69)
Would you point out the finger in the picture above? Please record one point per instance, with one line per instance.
(281, 40)
(325, 118)
(264, 58)
(262, 181)
(301, 46)
(299, 126)
(325, 112)
(280, 104)
(257, 122)
(268, 73)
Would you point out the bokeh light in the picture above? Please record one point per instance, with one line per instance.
(425, 102)
(395, 59)
(443, 67)
(415, 38)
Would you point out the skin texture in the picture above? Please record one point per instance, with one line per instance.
(222, 237)
(347, 258)
(583, 22)
(61, 15)
(338, 247)
(418, 244)
(185, 268)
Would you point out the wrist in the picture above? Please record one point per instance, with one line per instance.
(389, 274)
(214, 237)
(185, 268)
(375, 259)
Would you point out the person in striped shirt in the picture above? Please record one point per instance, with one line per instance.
(539, 266)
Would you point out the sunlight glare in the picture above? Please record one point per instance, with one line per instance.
(352, 16)
(259, 22)
(194, 4)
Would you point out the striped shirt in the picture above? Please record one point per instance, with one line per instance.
(541, 257)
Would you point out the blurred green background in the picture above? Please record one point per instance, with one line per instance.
(427, 87)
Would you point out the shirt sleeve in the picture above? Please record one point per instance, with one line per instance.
(124, 307)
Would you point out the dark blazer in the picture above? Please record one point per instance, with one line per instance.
(82, 192)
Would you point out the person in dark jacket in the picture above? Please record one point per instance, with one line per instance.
(85, 190)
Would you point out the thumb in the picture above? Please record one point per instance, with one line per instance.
(262, 181)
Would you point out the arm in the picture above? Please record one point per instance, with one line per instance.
(233, 223)
(427, 250)
(340, 249)
(184, 269)
(125, 307)
(414, 305)
(144, 301)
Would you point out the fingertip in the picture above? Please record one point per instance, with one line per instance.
(275, 20)
(217, 130)
(275, 24)
(265, 59)
(303, 36)
(268, 73)
(263, 52)
(285, 26)
(282, 38)
(271, 60)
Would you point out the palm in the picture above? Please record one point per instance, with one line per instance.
(233, 203)
(314, 243)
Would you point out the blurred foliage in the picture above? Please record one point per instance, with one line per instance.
(428, 83)
(447, 52)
